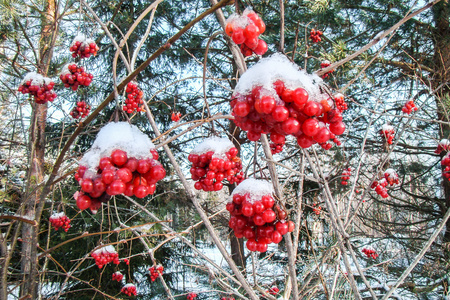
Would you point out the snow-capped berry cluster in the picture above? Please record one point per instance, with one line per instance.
(134, 99)
(73, 76)
(409, 107)
(273, 290)
(105, 255)
(370, 253)
(40, 87)
(391, 176)
(117, 276)
(255, 216)
(227, 298)
(213, 161)
(380, 187)
(176, 116)
(275, 97)
(122, 160)
(323, 65)
(129, 289)
(317, 209)
(340, 102)
(315, 35)
(83, 47)
(443, 145)
(191, 296)
(346, 176)
(81, 110)
(60, 220)
(155, 272)
(245, 30)
(387, 133)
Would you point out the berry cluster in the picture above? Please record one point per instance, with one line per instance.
(245, 30)
(227, 298)
(387, 133)
(119, 174)
(446, 163)
(117, 276)
(191, 296)
(323, 65)
(83, 48)
(105, 255)
(380, 187)
(346, 176)
(81, 110)
(134, 98)
(273, 290)
(409, 107)
(129, 289)
(155, 272)
(73, 76)
(213, 161)
(60, 221)
(391, 177)
(40, 87)
(315, 35)
(176, 116)
(443, 145)
(340, 102)
(255, 216)
(317, 209)
(276, 148)
(370, 253)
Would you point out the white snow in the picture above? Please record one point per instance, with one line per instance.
(444, 143)
(82, 39)
(120, 135)
(36, 79)
(57, 215)
(391, 173)
(106, 249)
(65, 70)
(117, 273)
(237, 20)
(219, 145)
(279, 67)
(387, 128)
(256, 187)
(128, 285)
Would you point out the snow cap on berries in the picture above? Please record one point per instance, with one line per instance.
(219, 145)
(57, 215)
(105, 249)
(391, 173)
(387, 128)
(256, 188)
(279, 67)
(36, 79)
(120, 135)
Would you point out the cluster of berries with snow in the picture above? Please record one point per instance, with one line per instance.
(191, 296)
(175, 116)
(213, 161)
(117, 276)
(40, 87)
(324, 64)
(83, 47)
(446, 163)
(73, 76)
(340, 102)
(317, 209)
(60, 220)
(155, 272)
(244, 30)
(390, 178)
(409, 107)
(122, 160)
(387, 133)
(105, 255)
(346, 176)
(276, 98)
(134, 98)
(273, 290)
(255, 216)
(227, 298)
(129, 289)
(443, 145)
(370, 253)
(315, 35)
(81, 110)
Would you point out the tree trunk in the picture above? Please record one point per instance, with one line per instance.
(32, 204)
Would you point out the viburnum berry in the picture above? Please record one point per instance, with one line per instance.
(409, 107)
(74, 76)
(155, 272)
(176, 116)
(273, 290)
(214, 161)
(129, 289)
(134, 99)
(191, 296)
(340, 102)
(315, 35)
(443, 145)
(83, 47)
(126, 261)
(244, 30)
(105, 255)
(391, 176)
(40, 87)
(324, 64)
(60, 220)
(117, 276)
(81, 110)
(370, 253)
(317, 209)
(387, 133)
(345, 176)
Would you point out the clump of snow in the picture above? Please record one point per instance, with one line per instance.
(118, 273)
(65, 70)
(120, 135)
(279, 67)
(255, 187)
(36, 79)
(390, 172)
(79, 38)
(57, 215)
(105, 249)
(219, 145)
(387, 127)
(444, 143)
(239, 21)
(128, 285)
